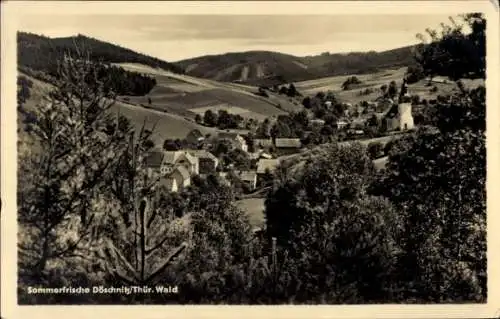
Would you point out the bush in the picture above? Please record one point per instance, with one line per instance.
(375, 150)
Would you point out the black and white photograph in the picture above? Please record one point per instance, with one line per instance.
(251, 159)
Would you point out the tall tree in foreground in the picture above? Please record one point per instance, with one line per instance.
(438, 180)
(340, 241)
(458, 51)
(139, 245)
(61, 209)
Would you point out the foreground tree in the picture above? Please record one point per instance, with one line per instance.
(341, 244)
(61, 209)
(139, 245)
(454, 52)
(437, 179)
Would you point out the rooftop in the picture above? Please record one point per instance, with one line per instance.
(203, 154)
(154, 159)
(172, 156)
(183, 171)
(288, 143)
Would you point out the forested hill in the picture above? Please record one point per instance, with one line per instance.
(260, 67)
(37, 51)
(38, 56)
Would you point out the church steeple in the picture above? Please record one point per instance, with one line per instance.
(404, 91)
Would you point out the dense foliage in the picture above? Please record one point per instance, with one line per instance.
(453, 52)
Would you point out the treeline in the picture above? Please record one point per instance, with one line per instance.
(361, 62)
(39, 57)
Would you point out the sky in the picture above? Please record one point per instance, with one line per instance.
(178, 37)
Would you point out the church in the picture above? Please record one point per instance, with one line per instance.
(399, 117)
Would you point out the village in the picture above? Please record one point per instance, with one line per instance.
(200, 155)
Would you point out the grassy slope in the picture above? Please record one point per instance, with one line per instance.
(375, 81)
(168, 125)
(178, 93)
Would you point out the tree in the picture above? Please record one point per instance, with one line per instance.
(373, 121)
(221, 147)
(139, 247)
(292, 91)
(384, 88)
(454, 53)
(414, 74)
(210, 119)
(320, 95)
(375, 150)
(445, 236)
(239, 159)
(306, 102)
(263, 131)
(392, 90)
(349, 82)
(249, 139)
(341, 243)
(61, 213)
(327, 130)
(198, 119)
(281, 129)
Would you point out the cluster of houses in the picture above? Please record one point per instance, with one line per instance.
(392, 115)
(177, 168)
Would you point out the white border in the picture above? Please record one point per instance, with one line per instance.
(11, 11)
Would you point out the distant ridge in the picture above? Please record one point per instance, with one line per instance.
(268, 68)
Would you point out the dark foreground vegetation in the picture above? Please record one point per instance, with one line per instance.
(337, 231)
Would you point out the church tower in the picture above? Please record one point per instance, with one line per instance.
(405, 118)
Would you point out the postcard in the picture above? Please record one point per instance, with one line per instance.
(272, 159)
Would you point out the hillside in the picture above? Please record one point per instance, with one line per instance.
(36, 51)
(187, 96)
(167, 125)
(268, 68)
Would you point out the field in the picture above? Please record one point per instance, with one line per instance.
(374, 81)
(167, 125)
(180, 94)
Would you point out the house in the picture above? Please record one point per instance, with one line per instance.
(249, 178)
(317, 123)
(342, 124)
(236, 140)
(195, 137)
(172, 159)
(263, 143)
(176, 180)
(267, 164)
(399, 117)
(328, 104)
(286, 146)
(207, 162)
(181, 177)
